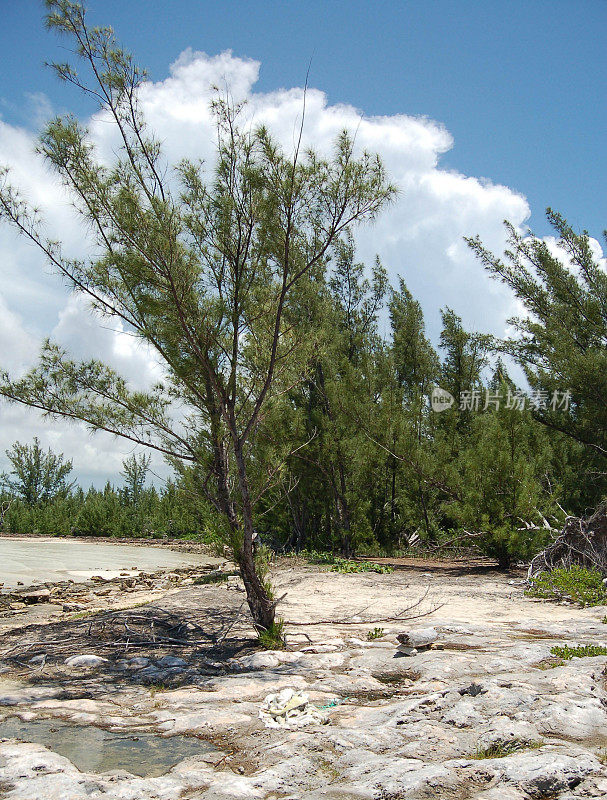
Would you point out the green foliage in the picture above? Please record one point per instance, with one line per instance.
(315, 557)
(213, 577)
(583, 586)
(135, 473)
(580, 651)
(36, 476)
(560, 341)
(501, 482)
(376, 633)
(273, 638)
(344, 566)
(163, 513)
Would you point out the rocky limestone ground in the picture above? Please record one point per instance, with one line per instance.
(485, 714)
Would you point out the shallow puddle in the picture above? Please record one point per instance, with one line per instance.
(92, 749)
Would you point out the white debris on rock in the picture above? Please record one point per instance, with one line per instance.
(290, 709)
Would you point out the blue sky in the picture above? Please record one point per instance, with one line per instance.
(521, 86)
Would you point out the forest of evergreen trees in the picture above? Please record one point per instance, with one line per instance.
(367, 461)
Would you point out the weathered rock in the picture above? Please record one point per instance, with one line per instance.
(85, 660)
(405, 650)
(36, 596)
(418, 638)
(138, 662)
(171, 661)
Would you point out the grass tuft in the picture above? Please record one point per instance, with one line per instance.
(273, 638)
(503, 749)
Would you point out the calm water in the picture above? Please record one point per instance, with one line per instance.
(38, 560)
(92, 749)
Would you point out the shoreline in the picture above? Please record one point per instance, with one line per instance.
(171, 544)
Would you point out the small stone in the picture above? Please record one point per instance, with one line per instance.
(36, 596)
(69, 607)
(403, 650)
(473, 690)
(139, 662)
(319, 648)
(260, 661)
(171, 661)
(420, 638)
(85, 660)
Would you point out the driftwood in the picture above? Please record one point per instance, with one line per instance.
(582, 542)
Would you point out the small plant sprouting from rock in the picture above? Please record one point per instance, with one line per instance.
(273, 638)
(580, 651)
(581, 585)
(502, 749)
(376, 633)
(157, 687)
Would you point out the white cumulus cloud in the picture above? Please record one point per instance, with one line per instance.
(420, 237)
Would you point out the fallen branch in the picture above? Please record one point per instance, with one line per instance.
(354, 619)
(581, 542)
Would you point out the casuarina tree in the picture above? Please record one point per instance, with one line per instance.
(210, 270)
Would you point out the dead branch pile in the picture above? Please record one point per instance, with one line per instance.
(146, 629)
(582, 542)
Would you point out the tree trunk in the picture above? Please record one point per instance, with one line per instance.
(261, 605)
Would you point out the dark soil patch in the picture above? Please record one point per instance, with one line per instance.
(397, 677)
(475, 565)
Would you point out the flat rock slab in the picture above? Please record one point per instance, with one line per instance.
(487, 717)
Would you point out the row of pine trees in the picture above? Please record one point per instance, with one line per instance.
(366, 463)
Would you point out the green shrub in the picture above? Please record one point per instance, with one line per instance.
(345, 566)
(376, 633)
(318, 557)
(580, 651)
(583, 586)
